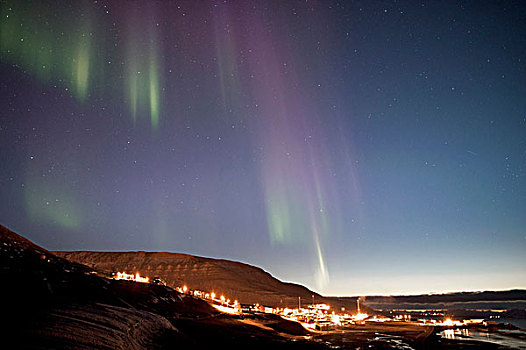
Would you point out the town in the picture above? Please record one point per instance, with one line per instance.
(319, 317)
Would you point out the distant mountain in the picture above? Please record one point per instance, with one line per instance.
(512, 300)
(508, 295)
(51, 303)
(243, 282)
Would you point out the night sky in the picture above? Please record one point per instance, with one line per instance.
(355, 147)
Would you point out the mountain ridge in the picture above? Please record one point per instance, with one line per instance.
(54, 303)
(244, 282)
(515, 294)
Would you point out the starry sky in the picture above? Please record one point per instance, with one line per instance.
(355, 147)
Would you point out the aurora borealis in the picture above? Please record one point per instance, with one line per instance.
(354, 147)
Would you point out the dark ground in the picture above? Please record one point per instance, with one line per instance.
(51, 303)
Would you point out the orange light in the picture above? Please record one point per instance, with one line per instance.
(361, 317)
(130, 277)
(448, 322)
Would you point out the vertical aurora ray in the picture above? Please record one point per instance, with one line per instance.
(49, 45)
(154, 90)
(285, 216)
(81, 67)
(226, 51)
(295, 187)
(70, 50)
(321, 276)
(142, 71)
(295, 169)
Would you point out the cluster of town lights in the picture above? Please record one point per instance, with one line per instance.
(449, 323)
(131, 277)
(315, 316)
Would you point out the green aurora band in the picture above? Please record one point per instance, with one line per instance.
(73, 53)
(51, 204)
(142, 80)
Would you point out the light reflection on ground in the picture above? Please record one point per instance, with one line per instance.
(455, 333)
(505, 338)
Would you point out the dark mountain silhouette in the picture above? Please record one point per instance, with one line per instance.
(51, 303)
(512, 303)
(243, 282)
(507, 295)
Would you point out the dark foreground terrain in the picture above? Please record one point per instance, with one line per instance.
(51, 303)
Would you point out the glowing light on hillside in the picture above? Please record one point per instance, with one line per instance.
(226, 309)
(129, 277)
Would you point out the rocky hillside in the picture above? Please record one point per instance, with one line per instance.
(246, 283)
(52, 303)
